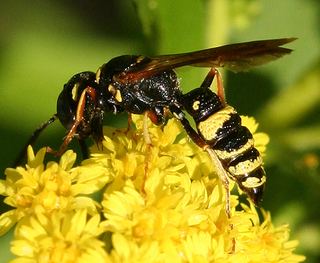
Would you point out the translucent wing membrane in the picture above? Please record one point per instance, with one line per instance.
(235, 57)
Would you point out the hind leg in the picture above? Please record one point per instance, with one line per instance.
(214, 73)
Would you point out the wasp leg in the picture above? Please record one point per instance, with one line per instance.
(146, 134)
(223, 176)
(84, 149)
(129, 122)
(158, 116)
(33, 139)
(201, 143)
(220, 88)
(195, 137)
(79, 117)
(148, 153)
(208, 81)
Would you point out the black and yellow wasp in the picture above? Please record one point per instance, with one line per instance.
(149, 85)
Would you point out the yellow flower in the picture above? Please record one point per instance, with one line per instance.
(261, 139)
(161, 203)
(61, 237)
(167, 204)
(36, 189)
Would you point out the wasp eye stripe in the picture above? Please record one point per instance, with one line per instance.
(74, 91)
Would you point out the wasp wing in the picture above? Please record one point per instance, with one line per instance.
(235, 57)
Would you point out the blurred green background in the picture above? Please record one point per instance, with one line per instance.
(43, 43)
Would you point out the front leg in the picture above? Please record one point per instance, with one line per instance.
(79, 116)
(33, 139)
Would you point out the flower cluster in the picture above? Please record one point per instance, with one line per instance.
(159, 203)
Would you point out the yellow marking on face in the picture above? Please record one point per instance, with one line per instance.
(98, 73)
(224, 155)
(74, 92)
(253, 182)
(209, 127)
(195, 105)
(245, 167)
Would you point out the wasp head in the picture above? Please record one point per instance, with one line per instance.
(80, 104)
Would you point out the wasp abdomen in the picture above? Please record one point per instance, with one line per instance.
(234, 146)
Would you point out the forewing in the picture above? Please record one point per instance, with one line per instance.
(235, 57)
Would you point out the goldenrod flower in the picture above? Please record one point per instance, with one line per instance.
(36, 189)
(261, 139)
(163, 203)
(61, 237)
(167, 204)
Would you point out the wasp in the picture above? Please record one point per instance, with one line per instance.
(149, 85)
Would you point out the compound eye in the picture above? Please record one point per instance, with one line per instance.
(66, 108)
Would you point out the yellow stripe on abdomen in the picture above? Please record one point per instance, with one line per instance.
(225, 155)
(245, 167)
(209, 127)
